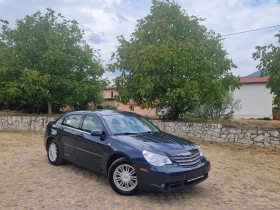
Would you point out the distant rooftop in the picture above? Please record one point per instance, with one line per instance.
(254, 78)
(257, 79)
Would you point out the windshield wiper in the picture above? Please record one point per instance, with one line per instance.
(126, 133)
(151, 132)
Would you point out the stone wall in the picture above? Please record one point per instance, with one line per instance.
(202, 131)
(25, 123)
(218, 133)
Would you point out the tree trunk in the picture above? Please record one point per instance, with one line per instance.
(49, 107)
(173, 114)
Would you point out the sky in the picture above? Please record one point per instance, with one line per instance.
(104, 20)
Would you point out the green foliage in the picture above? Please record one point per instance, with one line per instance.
(222, 111)
(265, 118)
(45, 61)
(171, 61)
(107, 107)
(269, 65)
(276, 113)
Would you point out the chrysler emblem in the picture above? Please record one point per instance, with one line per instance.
(185, 154)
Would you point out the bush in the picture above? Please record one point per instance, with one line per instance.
(225, 111)
(108, 107)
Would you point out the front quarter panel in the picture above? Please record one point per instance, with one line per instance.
(132, 153)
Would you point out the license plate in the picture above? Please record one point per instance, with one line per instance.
(195, 175)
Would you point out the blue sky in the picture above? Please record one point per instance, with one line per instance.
(104, 20)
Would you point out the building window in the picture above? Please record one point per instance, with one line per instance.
(112, 94)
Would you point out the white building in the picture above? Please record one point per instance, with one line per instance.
(256, 99)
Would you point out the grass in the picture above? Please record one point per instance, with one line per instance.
(248, 124)
(254, 124)
(17, 113)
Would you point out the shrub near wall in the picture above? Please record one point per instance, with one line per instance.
(218, 133)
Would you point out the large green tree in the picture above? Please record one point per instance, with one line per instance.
(269, 65)
(172, 61)
(45, 64)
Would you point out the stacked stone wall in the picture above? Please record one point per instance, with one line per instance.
(25, 123)
(203, 131)
(219, 133)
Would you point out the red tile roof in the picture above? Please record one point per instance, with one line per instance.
(244, 80)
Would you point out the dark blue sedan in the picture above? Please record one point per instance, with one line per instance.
(128, 149)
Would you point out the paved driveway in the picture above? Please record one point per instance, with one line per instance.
(241, 178)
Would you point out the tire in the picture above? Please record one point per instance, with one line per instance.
(122, 177)
(54, 156)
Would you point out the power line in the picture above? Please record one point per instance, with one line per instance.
(251, 30)
(242, 32)
(105, 53)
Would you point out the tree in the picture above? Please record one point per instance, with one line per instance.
(269, 65)
(46, 64)
(172, 61)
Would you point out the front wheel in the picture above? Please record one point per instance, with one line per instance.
(54, 153)
(122, 177)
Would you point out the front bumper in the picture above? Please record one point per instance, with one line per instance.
(172, 177)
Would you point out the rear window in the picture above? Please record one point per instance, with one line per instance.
(72, 121)
(59, 120)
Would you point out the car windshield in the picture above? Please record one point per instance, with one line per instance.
(129, 124)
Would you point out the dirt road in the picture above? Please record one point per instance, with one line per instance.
(240, 178)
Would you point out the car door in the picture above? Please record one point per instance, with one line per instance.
(68, 135)
(91, 149)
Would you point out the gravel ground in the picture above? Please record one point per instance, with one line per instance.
(241, 177)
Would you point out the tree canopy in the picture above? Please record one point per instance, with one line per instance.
(45, 64)
(172, 61)
(269, 65)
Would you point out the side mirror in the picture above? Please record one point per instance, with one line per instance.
(96, 133)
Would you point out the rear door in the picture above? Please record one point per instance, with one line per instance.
(91, 149)
(68, 134)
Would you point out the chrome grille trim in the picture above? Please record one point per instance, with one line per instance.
(184, 160)
(188, 159)
(190, 164)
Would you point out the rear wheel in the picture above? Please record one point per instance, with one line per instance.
(54, 153)
(123, 178)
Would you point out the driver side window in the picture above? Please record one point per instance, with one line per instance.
(91, 123)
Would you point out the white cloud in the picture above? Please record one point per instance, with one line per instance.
(110, 76)
(104, 20)
(233, 16)
(110, 3)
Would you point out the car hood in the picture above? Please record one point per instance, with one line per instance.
(158, 142)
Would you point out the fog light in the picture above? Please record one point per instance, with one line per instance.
(162, 186)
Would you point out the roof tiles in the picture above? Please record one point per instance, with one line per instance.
(244, 80)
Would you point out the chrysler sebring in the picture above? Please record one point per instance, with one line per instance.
(128, 149)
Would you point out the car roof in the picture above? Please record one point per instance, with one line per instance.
(102, 112)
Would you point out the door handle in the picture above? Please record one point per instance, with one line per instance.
(61, 128)
(80, 134)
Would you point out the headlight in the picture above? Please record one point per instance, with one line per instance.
(156, 159)
(200, 152)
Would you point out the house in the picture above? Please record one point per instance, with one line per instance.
(109, 99)
(255, 98)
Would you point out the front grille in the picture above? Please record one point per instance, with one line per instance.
(189, 159)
